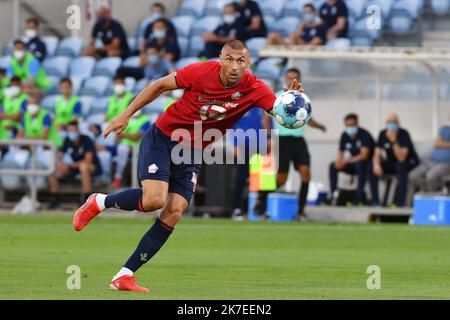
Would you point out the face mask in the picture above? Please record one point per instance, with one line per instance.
(158, 34)
(309, 18)
(228, 19)
(19, 54)
(351, 131)
(152, 58)
(392, 126)
(13, 91)
(33, 109)
(119, 89)
(30, 33)
(73, 136)
(156, 15)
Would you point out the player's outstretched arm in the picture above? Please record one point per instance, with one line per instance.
(150, 93)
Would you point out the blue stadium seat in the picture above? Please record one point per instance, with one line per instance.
(183, 62)
(86, 104)
(44, 157)
(95, 118)
(356, 8)
(271, 7)
(316, 3)
(339, 43)
(140, 85)
(413, 7)
(360, 35)
(183, 43)
(440, 7)
(293, 8)
(384, 5)
(401, 22)
(196, 45)
(270, 22)
(11, 161)
(5, 61)
(156, 106)
(48, 102)
(105, 159)
(205, 24)
(192, 7)
(95, 86)
(99, 105)
(77, 83)
(269, 68)
(70, 47)
(285, 26)
(107, 66)
(131, 62)
(183, 25)
(56, 66)
(82, 67)
(132, 43)
(215, 7)
(51, 43)
(54, 84)
(254, 45)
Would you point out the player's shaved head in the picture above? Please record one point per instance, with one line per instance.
(235, 60)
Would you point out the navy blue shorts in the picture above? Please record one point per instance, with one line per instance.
(155, 163)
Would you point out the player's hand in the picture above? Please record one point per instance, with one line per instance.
(118, 125)
(377, 170)
(295, 86)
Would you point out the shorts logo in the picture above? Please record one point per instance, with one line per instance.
(152, 168)
(194, 180)
(236, 95)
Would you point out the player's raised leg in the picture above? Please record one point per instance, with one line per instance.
(150, 243)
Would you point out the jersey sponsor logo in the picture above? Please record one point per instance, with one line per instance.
(152, 168)
(212, 112)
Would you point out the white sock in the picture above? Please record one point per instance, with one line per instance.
(122, 272)
(100, 199)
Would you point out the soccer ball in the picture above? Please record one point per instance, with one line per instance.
(292, 109)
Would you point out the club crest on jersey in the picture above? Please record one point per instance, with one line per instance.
(236, 95)
(152, 168)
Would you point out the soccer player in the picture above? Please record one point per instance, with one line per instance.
(217, 94)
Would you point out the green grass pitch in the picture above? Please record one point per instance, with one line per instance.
(220, 259)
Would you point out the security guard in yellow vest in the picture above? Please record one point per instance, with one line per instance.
(12, 109)
(25, 66)
(119, 100)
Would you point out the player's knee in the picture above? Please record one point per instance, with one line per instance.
(174, 212)
(153, 202)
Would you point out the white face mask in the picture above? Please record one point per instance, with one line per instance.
(13, 91)
(228, 19)
(30, 33)
(19, 54)
(33, 108)
(119, 89)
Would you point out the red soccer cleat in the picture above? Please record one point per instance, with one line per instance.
(126, 283)
(88, 211)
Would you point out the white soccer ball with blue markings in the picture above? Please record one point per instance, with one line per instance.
(292, 109)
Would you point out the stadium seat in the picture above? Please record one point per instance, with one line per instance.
(51, 43)
(77, 83)
(356, 8)
(384, 5)
(86, 104)
(156, 106)
(185, 61)
(285, 26)
(44, 157)
(56, 66)
(95, 86)
(95, 118)
(13, 159)
(82, 67)
(271, 7)
(440, 7)
(270, 22)
(99, 105)
(54, 85)
(339, 44)
(205, 24)
(140, 85)
(193, 8)
(255, 44)
(183, 25)
(5, 61)
(269, 68)
(107, 66)
(183, 43)
(131, 62)
(401, 22)
(132, 43)
(215, 7)
(70, 47)
(105, 159)
(293, 8)
(48, 102)
(413, 7)
(196, 45)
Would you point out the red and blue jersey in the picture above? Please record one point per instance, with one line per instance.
(208, 101)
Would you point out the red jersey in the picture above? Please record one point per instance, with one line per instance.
(208, 102)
